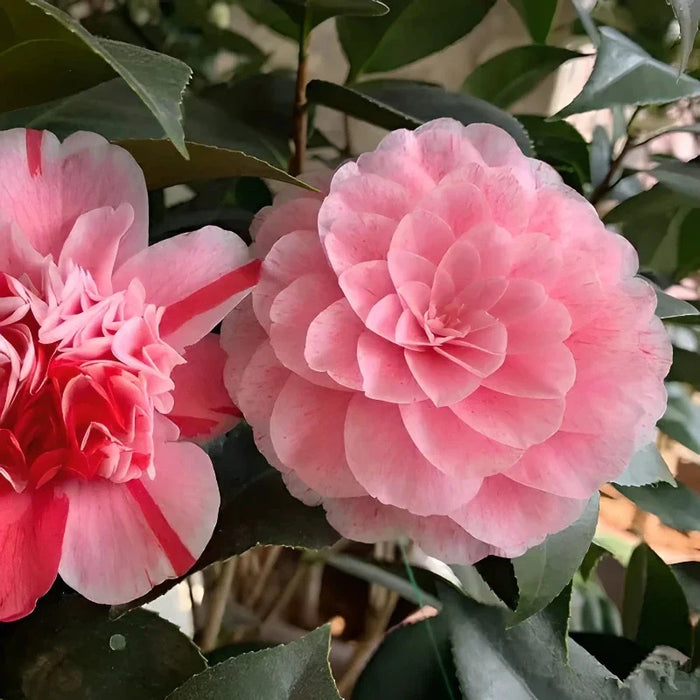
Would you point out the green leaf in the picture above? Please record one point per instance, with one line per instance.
(668, 307)
(321, 10)
(625, 74)
(394, 104)
(163, 166)
(158, 80)
(295, 671)
(685, 367)
(524, 662)
(560, 145)
(678, 507)
(69, 648)
(543, 571)
(683, 178)
(590, 560)
(537, 15)
(655, 611)
(601, 155)
(687, 13)
(688, 575)
(413, 661)
(512, 74)
(271, 15)
(682, 418)
(617, 654)
(499, 575)
(411, 30)
(647, 466)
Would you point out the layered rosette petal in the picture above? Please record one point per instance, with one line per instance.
(446, 344)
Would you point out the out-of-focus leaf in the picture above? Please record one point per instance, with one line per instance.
(647, 466)
(668, 307)
(320, 10)
(543, 571)
(413, 661)
(418, 102)
(69, 648)
(590, 560)
(512, 74)
(158, 80)
(677, 507)
(685, 367)
(271, 15)
(526, 661)
(601, 155)
(411, 30)
(687, 13)
(688, 575)
(295, 671)
(593, 611)
(560, 145)
(537, 15)
(625, 74)
(682, 418)
(655, 611)
(683, 178)
(617, 654)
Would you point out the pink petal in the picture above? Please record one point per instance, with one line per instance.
(292, 311)
(203, 409)
(398, 163)
(536, 257)
(198, 277)
(521, 298)
(511, 420)
(461, 205)
(513, 517)
(31, 533)
(458, 269)
(416, 297)
(385, 374)
(293, 256)
(494, 246)
(365, 284)
(444, 381)
(443, 147)
(424, 234)
(549, 324)
(123, 539)
(536, 375)
(368, 520)
(451, 445)
(241, 336)
(574, 464)
(272, 223)
(384, 316)
(63, 181)
(93, 243)
(17, 255)
(495, 146)
(306, 429)
(406, 267)
(331, 344)
(391, 468)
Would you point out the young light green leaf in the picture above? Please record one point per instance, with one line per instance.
(678, 507)
(647, 466)
(537, 15)
(625, 74)
(543, 571)
(157, 79)
(411, 30)
(512, 74)
(655, 611)
(688, 14)
(295, 671)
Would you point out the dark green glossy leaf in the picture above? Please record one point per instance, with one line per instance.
(512, 74)
(320, 10)
(688, 575)
(625, 74)
(685, 367)
(158, 80)
(683, 178)
(678, 507)
(682, 418)
(617, 654)
(655, 611)
(271, 15)
(69, 648)
(543, 571)
(524, 662)
(295, 671)
(411, 30)
(537, 15)
(413, 661)
(647, 466)
(687, 13)
(590, 560)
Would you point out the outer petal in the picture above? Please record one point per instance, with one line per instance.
(513, 517)
(198, 277)
(47, 185)
(123, 539)
(31, 532)
(203, 409)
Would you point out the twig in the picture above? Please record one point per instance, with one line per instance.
(218, 605)
(287, 593)
(262, 579)
(300, 115)
(605, 185)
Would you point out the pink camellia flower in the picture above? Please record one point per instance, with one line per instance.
(446, 345)
(101, 337)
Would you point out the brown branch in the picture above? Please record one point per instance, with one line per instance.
(300, 115)
(218, 605)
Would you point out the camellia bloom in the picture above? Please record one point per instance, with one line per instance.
(446, 345)
(101, 337)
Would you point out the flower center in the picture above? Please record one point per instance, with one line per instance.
(446, 323)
